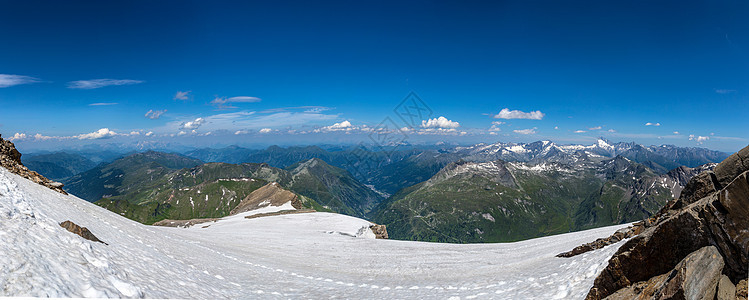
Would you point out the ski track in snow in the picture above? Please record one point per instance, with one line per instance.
(311, 255)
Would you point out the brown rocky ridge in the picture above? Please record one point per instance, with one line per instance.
(10, 159)
(271, 194)
(81, 231)
(696, 247)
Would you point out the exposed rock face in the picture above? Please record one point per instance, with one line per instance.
(10, 159)
(695, 277)
(713, 211)
(619, 235)
(81, 231)
(380, 231)
(270, 194)
(726, 289)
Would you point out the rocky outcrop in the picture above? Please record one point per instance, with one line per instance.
(271, 194)
(695, 277)
(183, 223)
(619, 235)
(10, 159)
(81, 231)
(380, 231)
(741, 290)
(712, 213)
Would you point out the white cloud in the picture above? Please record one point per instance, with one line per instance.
(154, 114)
(181, 133)
(506, 113)
(595, 128)
(440, 122)
(612, 131)
(195, 124)
(8, 80)
(676, 133)
(497, 123)
(652, 124)
(526, 131)
(579, 131)
(150, 133)
(18, 137)
(699, 139)
(223, 102)
(103, 104)
(238, 132)
(556, 127)
(342, 126)
(724, 91)
(134, 133)
(180, 95)
(265, 130)
(40, 137)
(99, 134)
(100, 83)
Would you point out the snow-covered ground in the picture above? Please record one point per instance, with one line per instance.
(311, 255)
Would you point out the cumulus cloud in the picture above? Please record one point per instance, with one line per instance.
(150, 133)
(238, 132)
(18, 137)
(191, 125)
(180, 95)
(579, 131)
(100, 83)
(556, 127)
(40, 137)
(652, 124)
(99, 134)
(154, 114)
(224, 103)
(134, 133)
(342, 126)
(595, 128)
(103, 104)
(506, 113)
(181, 133)
(612, 131)
(676, 133)
(440, 122)
(8, 80)
(699, 139)
(268, 130)
(526, 131)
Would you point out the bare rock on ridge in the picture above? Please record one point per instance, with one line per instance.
(10, 159)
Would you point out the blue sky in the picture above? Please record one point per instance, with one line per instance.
(212, 74)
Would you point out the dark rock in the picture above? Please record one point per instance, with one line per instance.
(732, 166)
(81, 231)
(10, 159)
(726, 289)
(718, 219)
(695, 277)
(741, 290)
(380, 231)
(619, 235)
(697, 188)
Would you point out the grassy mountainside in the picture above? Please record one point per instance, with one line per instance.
(498, 201)
(152, 186)
(58, 165)
(125, 174)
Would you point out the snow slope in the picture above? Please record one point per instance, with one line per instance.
(312, 255)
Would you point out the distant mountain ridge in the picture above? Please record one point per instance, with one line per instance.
(499, 201)
(151, 186)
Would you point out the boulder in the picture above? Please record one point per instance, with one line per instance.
(741, 290)
(732, 166)
(695, 277)
(726, 289)
(380, 231)
(81, 231)
(698, 187)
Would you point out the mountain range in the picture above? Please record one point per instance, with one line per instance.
(481, 193)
